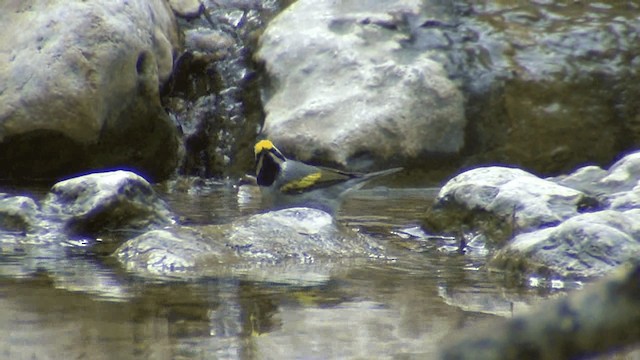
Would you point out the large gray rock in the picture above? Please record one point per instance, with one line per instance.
(553, 230)
(79, 87)
(345, 89)
(168, 252)
(549, 86)
(511, 195)
(297, 244)
(585, 246)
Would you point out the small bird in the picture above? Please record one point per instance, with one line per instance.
(286, 183)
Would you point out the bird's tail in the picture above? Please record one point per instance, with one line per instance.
(373, 175)
(380, 173)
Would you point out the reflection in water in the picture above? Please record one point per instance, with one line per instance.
(86, 307)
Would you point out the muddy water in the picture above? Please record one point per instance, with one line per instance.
(85, 307)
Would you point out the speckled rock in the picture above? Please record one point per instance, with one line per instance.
(620, 177)
(551, 85)
(79, 87)
(18, 213)
(345, 90)
(97, 203)
(585, 246)
(297, 244)
(523, 199)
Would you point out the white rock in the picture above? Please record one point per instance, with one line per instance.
(344, 87)
(512, 193)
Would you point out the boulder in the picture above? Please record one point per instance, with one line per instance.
(523, 200)
(99, 203)
(79, 87)
(619, 178)
(585, 246)
(297, 244)
(167, 252)
(345, 90)
(541, 98)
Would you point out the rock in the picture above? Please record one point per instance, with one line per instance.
(98, 203)
(625, 200)
(554, 236)
(346, 91)
(602, 318)
(511, 195)
(186, 8)
(586, 179)
(294, 244)
(214, 94)
(17, 213)
(529, 83)
(585, 246)
(616, 187)
(299, 234)
(79, 87)
(624, 174)
(168, 252)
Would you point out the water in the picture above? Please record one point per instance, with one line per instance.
(80, 306)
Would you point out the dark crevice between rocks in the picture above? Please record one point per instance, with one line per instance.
(457, 221)
(214, 93)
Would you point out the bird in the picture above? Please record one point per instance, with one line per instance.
(287, 183)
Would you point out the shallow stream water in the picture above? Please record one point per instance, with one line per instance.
(85, 307)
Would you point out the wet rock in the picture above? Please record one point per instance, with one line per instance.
(534, 72)
(186, 8)
(621, 177)
(554, 230)
(17, 213)
(344, 89)
(296, 243)
(80, 87)
(98, 203)
(214, 93)
(603, 318)
(299, 234)
(586, 179)
(625, 200)
(166, 252)
(585, 246)
(514, 197)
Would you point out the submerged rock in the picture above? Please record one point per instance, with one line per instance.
(602, 318)
(290, 243)
(345, 90)
(79, 87)
(98, 203)
(18, 213)
(167, 252)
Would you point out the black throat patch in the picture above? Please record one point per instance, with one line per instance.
(269, 168)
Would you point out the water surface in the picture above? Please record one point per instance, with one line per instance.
(85, 307)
